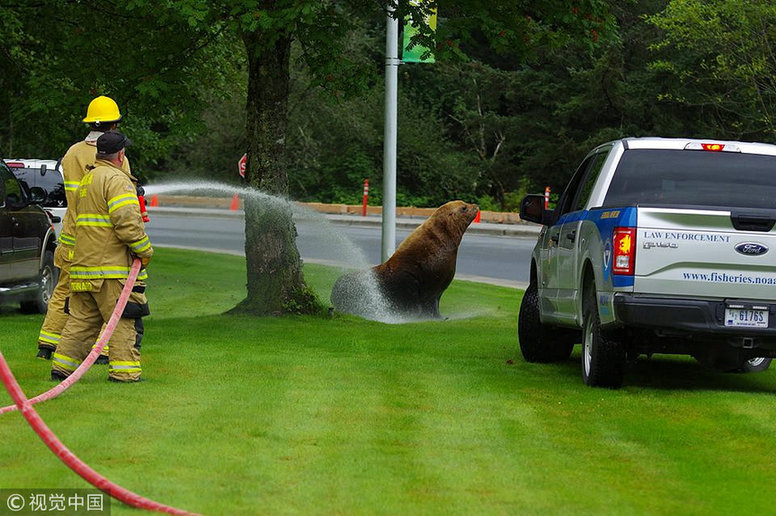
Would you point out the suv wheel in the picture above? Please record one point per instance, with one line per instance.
(47, 279)
(756, 365)
(603, 357)
(540, 342)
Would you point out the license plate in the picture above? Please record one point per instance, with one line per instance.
(746, 318)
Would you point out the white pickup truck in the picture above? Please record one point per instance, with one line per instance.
(657, 245)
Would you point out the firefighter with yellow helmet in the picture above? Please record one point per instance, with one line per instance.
(109, 233)
(102, 115)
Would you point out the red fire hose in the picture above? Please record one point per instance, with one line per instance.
(44, 432)
(96, 350)
(65, 455)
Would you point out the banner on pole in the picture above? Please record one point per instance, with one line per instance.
(415, 53)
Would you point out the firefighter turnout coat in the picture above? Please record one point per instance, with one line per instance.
(75, 164)
(109, 233)
(109, 228)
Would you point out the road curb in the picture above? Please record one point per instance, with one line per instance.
(521, 230)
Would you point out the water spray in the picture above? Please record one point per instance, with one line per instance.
(350, 256)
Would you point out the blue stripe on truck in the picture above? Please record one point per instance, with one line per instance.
(606, 220)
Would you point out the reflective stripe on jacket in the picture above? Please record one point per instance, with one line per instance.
(74, 166)
(109, 230)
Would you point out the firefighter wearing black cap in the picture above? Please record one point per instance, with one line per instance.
(102, 115)
(109, 233)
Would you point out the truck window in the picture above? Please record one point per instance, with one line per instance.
(566, 201)
(693, 178)
(591, 176)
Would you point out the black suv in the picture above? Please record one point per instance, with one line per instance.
(45, 174)
(27, 243)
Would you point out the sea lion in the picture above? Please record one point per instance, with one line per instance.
(411, 282)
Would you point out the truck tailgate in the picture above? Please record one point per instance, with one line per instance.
(700, 253)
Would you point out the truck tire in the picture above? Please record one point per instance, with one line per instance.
(47, 280)
(603, 357)
(756, 365)
(730, 361)
(540, 342)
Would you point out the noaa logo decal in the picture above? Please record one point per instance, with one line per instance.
(751, 249)
(607, 258)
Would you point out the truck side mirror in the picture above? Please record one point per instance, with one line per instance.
(42, 169)
(532, 209)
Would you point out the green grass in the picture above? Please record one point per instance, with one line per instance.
(300, 415)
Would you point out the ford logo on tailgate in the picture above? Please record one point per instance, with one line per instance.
(751, 249)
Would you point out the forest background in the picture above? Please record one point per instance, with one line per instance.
(483, 124)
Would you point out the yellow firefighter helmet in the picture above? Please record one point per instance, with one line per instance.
(102, 109)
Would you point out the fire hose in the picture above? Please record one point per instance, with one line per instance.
(24, 405)
(65, 455)
(98, 347)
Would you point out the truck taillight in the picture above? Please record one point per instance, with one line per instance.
(624, 240)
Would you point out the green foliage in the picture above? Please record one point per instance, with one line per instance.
(488, 203)
(718, 60)
(518, 94)
(304, 302)
(212, 153)
(60, 55)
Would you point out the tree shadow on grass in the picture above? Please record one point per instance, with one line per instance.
(668, 372)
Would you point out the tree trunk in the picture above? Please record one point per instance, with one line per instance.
(274, 268)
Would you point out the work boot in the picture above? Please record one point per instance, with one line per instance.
(56, 376)
(44, 353)
(102, 360)
(116, 380)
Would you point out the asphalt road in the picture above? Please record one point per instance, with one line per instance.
(501, 260)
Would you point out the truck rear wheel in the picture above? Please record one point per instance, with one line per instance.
(47, 280)
(603, 357)
(756, 365)
(728, 360)
(540, 342)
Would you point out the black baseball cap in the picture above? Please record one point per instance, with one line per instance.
(111, 142)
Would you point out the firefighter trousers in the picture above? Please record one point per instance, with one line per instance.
(56, 314)
(88, 312)
(58, 308)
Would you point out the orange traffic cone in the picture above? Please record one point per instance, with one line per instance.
(154, 200)
(477, 217)
(235, 203)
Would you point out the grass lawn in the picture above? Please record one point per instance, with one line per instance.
(345, 416)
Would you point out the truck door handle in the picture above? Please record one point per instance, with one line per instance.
(572, 235)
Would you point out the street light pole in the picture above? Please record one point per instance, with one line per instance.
(389, 141)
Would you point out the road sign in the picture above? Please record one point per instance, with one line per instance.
(241, 165)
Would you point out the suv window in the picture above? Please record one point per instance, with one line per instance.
(54, 186)
(693, 178)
